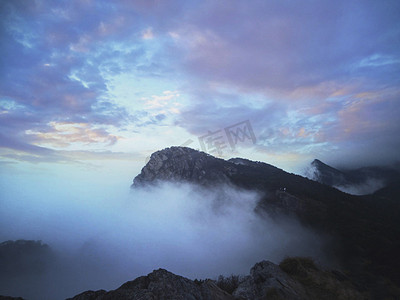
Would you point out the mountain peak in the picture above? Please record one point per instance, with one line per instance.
(184, 164)
(326, 174)
(317, 162)
(160, 284)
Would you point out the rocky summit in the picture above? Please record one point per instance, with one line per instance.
(184, 164)
(293, 279)
(160, 284)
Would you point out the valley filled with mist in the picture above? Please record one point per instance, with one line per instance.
(112, 235)
(187, 212)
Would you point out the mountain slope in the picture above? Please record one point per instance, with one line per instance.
(328, 175)
(366, 239)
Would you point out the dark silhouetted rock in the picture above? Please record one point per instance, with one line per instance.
(23, 257)
(297, 279)
(22, 262)
(160, 284)
(267, 279)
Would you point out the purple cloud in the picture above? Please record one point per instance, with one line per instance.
(309, 76)
(280, 46)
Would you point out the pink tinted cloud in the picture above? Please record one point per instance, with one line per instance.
(278, 46)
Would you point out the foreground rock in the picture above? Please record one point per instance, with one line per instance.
(295, 278)
(160, 284)
(267, 279)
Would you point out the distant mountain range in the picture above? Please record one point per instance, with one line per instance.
(360, 181)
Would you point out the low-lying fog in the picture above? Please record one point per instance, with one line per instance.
(106, 234)
(368, 186)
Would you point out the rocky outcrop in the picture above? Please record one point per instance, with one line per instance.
(184, 164)
(267, 279)
(160, 284)
(294, 279)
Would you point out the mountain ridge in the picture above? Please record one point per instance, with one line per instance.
(182, 164)
(265, 281)
(364, 228)
(360, 181)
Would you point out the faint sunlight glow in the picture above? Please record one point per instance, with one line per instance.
(166, 103)
(65, 134)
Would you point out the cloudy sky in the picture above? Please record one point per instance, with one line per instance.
(106, 83)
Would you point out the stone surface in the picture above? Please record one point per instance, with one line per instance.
(160, 285)
(184, 164)
(267, 279)
(299, 279)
